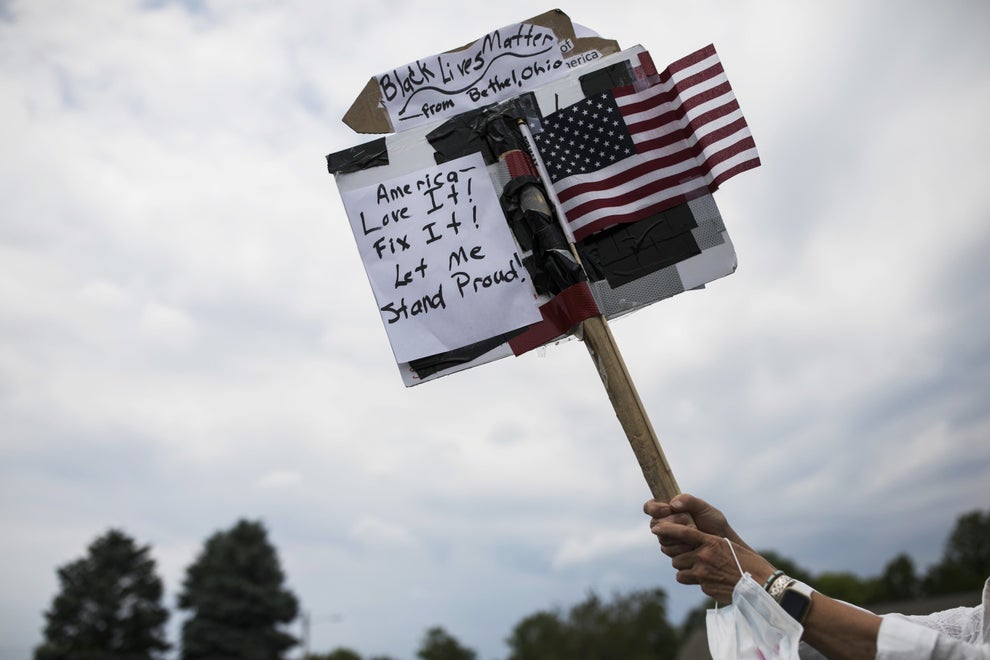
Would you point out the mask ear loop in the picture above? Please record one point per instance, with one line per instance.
(733, 551)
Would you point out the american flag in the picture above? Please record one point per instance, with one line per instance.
(630, 152)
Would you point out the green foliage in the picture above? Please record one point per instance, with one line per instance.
(844, 586)
(630, 627)
(899, 581)
(235, 593)
(109, 605)
(437, 644)
(343, 653)
(696, 617)
(538, 637)
(337, 654)
(965, 560)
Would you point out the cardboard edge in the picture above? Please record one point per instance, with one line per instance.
(366, 114)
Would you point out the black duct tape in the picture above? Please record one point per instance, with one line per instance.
(491, 131)
(626, 252)
(551, 265)
(361, 157)
(619, 74)
(432, 364)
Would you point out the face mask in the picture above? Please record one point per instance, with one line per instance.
(753, 626)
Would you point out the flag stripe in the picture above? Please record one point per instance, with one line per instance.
(591, 224)
(713, 121)
(661, 166)
(654, 180)
(688, 61)
(687, 132)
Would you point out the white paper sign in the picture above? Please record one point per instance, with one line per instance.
(500, 65)
(441, 259)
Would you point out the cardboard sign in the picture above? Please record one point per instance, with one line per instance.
(460, 280)
(589, 177)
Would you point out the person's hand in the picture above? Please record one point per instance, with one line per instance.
(682, 510)
(707, 560)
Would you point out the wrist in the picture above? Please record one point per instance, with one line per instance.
(792, 595)
(773, 578)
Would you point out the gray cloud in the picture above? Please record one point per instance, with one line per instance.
(187, 335)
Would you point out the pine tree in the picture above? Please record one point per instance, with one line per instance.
(108, 607)
(438, 644)
(235, 593)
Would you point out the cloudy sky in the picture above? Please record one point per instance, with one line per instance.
(187, 336)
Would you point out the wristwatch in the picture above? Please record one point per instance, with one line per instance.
(796, 600)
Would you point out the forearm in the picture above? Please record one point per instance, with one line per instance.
(840, 631)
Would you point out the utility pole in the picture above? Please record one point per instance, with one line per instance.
(307, 621)
(305, 634)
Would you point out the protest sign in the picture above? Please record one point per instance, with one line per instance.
(670, 239)
(576, 189)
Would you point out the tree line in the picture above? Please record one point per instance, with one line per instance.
(109, 604)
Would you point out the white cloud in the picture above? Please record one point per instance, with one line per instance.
(187, 335)
(280, 480)
(596, 546)
(375, 533)
(168, 326)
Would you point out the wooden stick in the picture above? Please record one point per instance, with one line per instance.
(628, 408)
(605, 353)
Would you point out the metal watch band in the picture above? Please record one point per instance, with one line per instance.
(778, 586)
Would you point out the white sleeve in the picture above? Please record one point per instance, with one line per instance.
(901, 639)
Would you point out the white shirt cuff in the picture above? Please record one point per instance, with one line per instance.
(900, 639)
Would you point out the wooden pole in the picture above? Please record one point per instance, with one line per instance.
(628, 408)
(605, 352)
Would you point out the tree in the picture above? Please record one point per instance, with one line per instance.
(632, 626)
(235, 592)
(696, 617)
(639, 628)
(539, 636)
(340, 653)
(109, 605)
(965, 560)
(437, 644)
(969, 543)
(844, 585)
(899, 581)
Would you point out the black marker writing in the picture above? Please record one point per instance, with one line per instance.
(419, 306)
(467, 283)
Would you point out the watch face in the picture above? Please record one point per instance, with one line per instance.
(795, 603)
